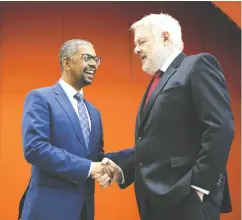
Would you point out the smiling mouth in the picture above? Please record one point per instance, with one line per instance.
(90, 72)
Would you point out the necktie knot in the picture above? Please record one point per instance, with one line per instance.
(158, 74)
(78, 97)
(154, 83)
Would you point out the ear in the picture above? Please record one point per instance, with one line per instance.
(165, 38)
(66, 63)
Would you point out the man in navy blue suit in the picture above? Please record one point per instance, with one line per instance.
(63, 140)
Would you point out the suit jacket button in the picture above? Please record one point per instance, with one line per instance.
(139, 139)
(140, 164)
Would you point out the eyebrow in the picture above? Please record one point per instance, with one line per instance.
(88, 54)
(140, 39)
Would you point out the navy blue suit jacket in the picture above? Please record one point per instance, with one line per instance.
(53, 143)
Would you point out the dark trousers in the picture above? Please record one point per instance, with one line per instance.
(191, 208)
(84, 212)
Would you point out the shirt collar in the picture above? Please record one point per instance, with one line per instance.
(170, 59)
(69, 90)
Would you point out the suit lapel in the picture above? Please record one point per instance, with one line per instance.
(94, 125)
(69, 110)
(165, 78)
(141, 107)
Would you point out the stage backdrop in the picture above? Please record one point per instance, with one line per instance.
(31, 34)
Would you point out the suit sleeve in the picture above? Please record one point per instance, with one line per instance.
(211, 101)
(123, 158)
(126, 163)
(37, 145)
(116, 157)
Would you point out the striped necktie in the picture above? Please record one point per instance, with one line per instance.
(83, 117)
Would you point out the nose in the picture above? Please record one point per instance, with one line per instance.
(137, 50)
(92, 63)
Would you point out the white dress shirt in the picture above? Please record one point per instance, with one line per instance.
(70, 92)
(170, 59)
(163, 68)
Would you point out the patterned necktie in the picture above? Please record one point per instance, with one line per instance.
(154, 84)
(83, 117)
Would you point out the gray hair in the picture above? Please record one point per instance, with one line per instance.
(70, 47)
(160, 23)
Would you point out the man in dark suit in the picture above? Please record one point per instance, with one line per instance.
(63, 140)
(184, 129)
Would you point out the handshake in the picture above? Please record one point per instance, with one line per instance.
(105, 172)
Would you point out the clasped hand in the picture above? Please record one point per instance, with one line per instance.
(105, 172)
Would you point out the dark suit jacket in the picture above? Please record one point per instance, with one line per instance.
(183, 135)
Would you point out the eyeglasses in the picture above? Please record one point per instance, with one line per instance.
(87, 58)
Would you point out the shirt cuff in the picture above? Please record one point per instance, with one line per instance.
(201, 190)
(89, 173)
(121, 179)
